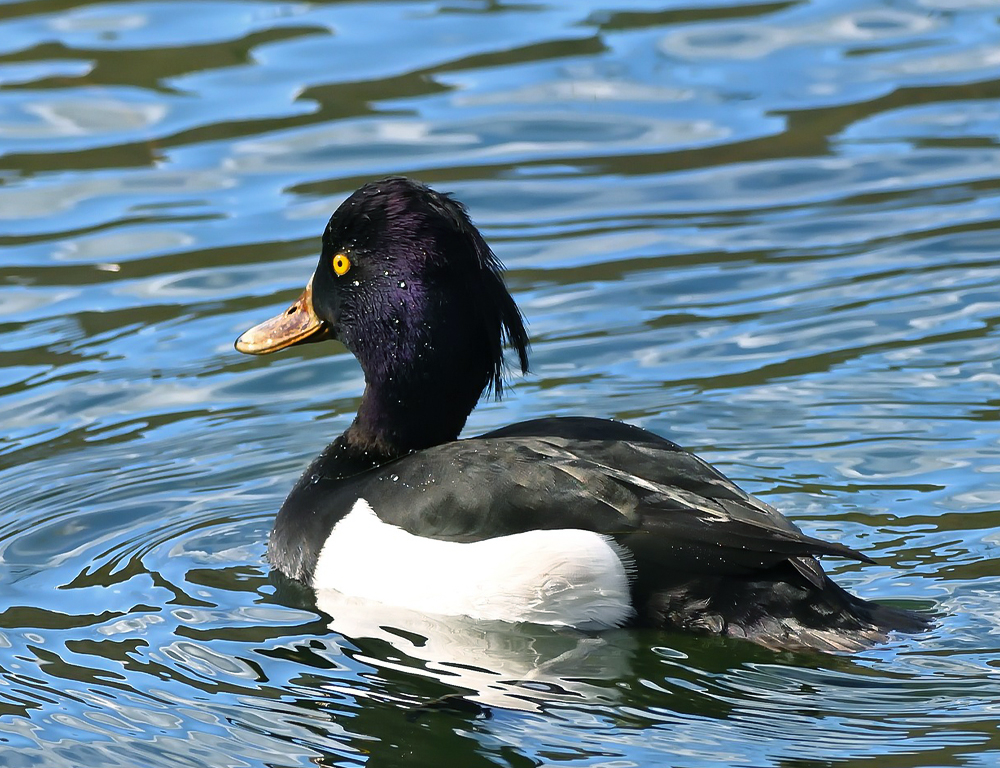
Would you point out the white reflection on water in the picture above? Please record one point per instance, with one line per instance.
(498, 664)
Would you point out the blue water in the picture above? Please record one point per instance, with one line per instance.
(767, 231)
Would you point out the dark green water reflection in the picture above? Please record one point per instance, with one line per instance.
(765, 230)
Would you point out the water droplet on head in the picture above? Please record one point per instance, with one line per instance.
(402, 284)
(394, 478)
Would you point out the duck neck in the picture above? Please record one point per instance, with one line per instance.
(398, 416)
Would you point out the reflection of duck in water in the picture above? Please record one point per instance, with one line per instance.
(577, 522)
(494, 663)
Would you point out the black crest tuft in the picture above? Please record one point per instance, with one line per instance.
(496, 308)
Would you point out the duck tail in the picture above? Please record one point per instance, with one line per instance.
(781, 614)
(886, 618)
(839, 622)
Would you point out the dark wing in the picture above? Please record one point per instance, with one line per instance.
(671, 509)
(690, 485)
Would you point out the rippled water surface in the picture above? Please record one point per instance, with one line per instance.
(767, 230)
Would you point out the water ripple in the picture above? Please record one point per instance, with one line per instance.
(764, 229)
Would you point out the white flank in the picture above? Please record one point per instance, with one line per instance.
(562, 577)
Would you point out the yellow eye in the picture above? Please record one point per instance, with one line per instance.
(341, 264)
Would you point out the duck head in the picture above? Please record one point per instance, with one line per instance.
(408, 284)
